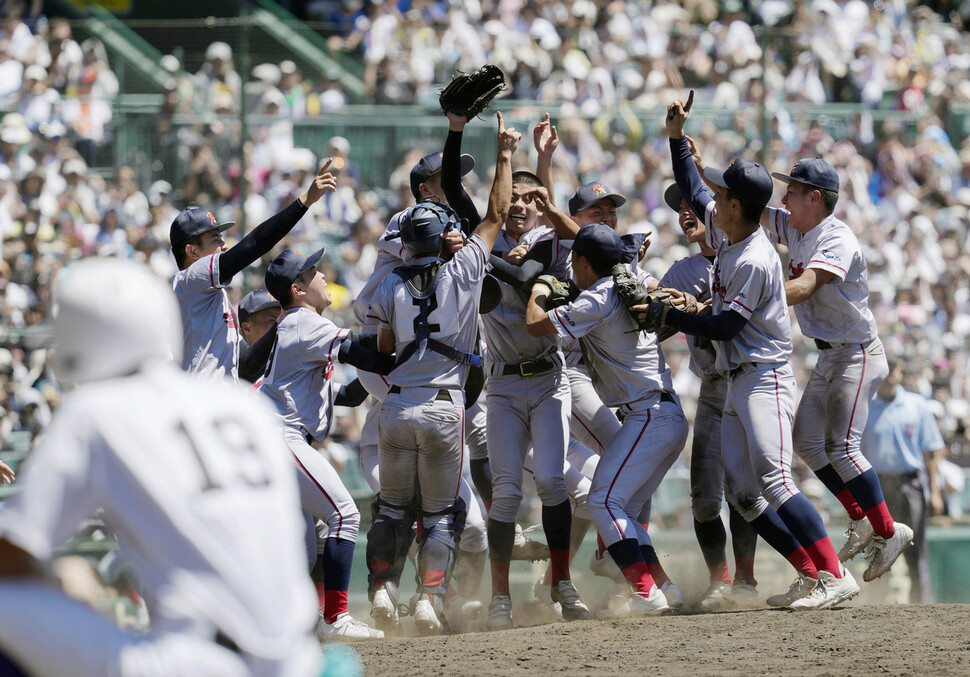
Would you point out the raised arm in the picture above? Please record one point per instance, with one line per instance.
(685, 168)
(500, 198)
(458, 198)
(546, 140)
(266, 235)
(564, 226)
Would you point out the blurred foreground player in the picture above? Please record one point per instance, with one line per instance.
(192, 477)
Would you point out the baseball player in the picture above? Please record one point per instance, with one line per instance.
(206, 267)
(629, 372)
(753, 344)
(258, 314)
(428, 315)
(528, 399)
(298, 380)
(191, 476)
(463, 610)
(693, 275)
(591, 420)
(828, 285)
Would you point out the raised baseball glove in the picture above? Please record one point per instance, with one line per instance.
(563, 291)
(632, 293)
(469, 93)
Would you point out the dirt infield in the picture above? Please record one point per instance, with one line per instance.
(854, 640)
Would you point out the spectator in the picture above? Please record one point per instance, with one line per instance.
(218, 75)
(903, 443)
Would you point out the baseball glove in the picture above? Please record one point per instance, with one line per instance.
(632, 293)
(469, 93)
(563, 291)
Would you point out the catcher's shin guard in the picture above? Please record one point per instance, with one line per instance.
(438, 548)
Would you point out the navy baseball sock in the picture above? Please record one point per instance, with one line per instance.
(769, 526)
(556, 523)
(338, 558)
(482, 478)
(501, 536)
(805, 524)
(868, 493)
(649, 554)
(833, 482)
(745, 541)
(713, 539)
(629, 557)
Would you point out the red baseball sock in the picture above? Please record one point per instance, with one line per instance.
(559, 565)
(882, 521)
(638, 576)
(850, 505)
(824, 556)
(334, 604)
(803, 563)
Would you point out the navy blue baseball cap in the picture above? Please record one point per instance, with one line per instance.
(599, 242)
(673, 196)
(256, 301)
(591, 193)
(814, 172)
(748, 180)
(194, 221)
(430, 165)
(286, 267)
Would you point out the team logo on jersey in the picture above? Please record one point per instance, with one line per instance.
(716, 286)
(830, 255)
(229, 319)
(598, 189)
(328, 371)
(795, 271)
(212, 219)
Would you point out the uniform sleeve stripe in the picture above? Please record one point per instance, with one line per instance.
(212, 281)
(562, 324)
(826, 263)
(481, 251)
(742, 305)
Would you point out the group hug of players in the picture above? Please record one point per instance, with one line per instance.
(575, 395)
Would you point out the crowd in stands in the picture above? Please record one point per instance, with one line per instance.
(905, 187)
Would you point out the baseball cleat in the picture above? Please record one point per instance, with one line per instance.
(524, 548)
(605, 566)
(675, 598)
(650, 605)
(384, 611)
(858, 536)
(543, 593)
(573, 609)
(828, 592)
(885, 551)
(499, 613)
(345, 627)
(745, 595)
(801, 587)
(717, 598)
(425, 617)
(464, 615)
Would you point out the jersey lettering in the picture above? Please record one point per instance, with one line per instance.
(795, 272)
(232, 437)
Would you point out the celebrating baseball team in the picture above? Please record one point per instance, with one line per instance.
(525, 342)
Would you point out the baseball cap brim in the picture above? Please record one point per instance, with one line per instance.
(265, 305)
(785, 178)
(221, 227)
(716, 177)
(312, 259)
(673, 196)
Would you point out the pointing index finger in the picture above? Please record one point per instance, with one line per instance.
(501, 124)
(690, 101)
(326, 166)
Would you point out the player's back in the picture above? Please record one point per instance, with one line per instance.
(196, 483)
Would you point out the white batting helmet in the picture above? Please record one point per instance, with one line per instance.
(110, 316)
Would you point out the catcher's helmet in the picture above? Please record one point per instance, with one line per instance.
(422, 225)
(111, 316)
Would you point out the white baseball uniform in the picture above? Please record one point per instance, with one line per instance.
(629, 372)
(756, 439)
(211, 340)
(852, 362)
(299, 382)
(194, 480)
(528, 397)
